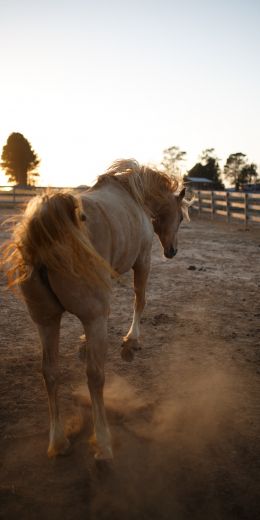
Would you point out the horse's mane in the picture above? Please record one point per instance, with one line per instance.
(144, 183)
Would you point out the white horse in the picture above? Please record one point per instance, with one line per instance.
(63, 254)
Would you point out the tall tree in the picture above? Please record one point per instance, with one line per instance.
(172, 159)
(233, 167)
(208, 168)
(19, 161)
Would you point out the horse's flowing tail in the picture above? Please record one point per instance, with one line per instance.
(53, 233)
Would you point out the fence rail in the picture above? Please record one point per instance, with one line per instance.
(13, 196)
(232, 205)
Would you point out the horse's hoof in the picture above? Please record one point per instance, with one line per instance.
(129, 347)
(127, 353)
(60, 449)
(104, 457)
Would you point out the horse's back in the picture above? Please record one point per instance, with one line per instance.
(118, 226)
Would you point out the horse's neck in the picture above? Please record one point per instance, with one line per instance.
(152, 207)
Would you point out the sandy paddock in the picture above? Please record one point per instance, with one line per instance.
(184, 414)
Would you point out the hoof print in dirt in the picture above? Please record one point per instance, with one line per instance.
(162, 318)
(82, 353)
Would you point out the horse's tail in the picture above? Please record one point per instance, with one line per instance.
(52, 233)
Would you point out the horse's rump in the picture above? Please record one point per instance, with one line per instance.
(53, 234)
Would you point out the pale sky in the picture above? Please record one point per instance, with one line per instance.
(89, 81)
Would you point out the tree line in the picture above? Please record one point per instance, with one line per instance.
(238, 170)
(20, 164)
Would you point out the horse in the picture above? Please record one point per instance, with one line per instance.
(64, 254)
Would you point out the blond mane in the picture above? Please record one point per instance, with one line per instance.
(144, 183)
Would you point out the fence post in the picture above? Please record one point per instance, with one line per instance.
(228, 206)
(212, 205)
(246, 210)
(199, 200)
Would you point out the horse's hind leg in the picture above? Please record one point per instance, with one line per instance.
(49, 335)
(46, 312)
(91, 306)
(96, 331)
(131, 343)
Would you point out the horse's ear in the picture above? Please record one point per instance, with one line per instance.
(182, 194)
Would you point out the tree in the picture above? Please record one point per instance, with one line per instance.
(208, 168)
(19, 161)
(233, 167)
(172, 159)
(248, 174)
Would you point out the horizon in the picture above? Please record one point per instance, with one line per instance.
(99, 82)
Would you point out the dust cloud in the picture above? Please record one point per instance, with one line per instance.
(176, 455)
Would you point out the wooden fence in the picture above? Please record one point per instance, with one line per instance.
(231, 205)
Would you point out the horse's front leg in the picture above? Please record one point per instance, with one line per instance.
(131, 340)
(96, 331)
(49, 335)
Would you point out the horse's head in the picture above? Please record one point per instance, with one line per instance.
(167, 221)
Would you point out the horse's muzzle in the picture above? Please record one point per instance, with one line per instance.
(170, 253)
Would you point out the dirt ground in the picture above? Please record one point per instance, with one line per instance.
(184, 414)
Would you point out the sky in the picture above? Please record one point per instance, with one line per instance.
(90, 81)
